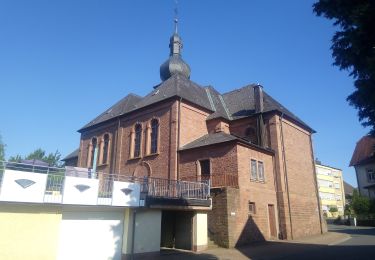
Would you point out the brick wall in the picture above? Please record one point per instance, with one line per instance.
(98, 132)
(162, 164)
(254, 227)
(222, 159)
(298, 170)
(193, 123)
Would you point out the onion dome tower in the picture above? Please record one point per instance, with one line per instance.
(175, 64)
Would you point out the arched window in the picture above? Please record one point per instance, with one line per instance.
(154, 135)
(105, 148)
(94, 143)
(137, 140)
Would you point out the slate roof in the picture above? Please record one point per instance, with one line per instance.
(72, 155)
(232, 105)
(121, 107)
(364, 151)
(217, 138)
(209, 139)
(177, 86)
(241, 103)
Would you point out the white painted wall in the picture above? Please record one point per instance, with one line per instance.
(119, 196)
(361, 172)
(201, 224)
(147, 231)
(72, 195)
(87, 233)
(13, 191)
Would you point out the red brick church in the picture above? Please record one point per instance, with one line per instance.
(257, 155)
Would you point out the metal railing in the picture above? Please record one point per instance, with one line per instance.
(155, 187)
(152, 187)
(215, 180)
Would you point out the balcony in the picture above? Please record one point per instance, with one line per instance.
(215, 180)
(80, 186)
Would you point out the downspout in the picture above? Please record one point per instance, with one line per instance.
(316, 186)
(277, 197)
(286, 173)
(116, 146)
(133, 234)
(178, 138)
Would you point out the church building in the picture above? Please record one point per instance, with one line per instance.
(256, 154)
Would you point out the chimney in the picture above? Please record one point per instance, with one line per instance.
(258, 97)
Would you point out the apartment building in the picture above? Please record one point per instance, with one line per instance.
(331, 189)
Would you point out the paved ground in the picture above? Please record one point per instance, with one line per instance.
(342, 242)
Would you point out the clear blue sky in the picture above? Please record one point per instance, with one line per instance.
(64, 62)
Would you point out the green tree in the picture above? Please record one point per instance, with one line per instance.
(2, 150)
(16, 158)
(360, 204)
(353, 49)
(53, 159)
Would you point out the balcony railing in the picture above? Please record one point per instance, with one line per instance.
(215, 180)
(72, 185)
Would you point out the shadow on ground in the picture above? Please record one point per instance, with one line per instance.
(286, 250)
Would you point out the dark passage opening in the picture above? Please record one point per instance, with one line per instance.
(205, 167)
(177, 229)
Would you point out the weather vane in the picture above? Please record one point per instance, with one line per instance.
(175, 15)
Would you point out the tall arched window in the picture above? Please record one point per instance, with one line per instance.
(137, 140)
(105, 148)
(94, 143)
(154, 135)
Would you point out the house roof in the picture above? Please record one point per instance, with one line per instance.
(348, 189)
(177, 86)
(241, 103)
(217, 138)
(364, 151)
(121, 107)
(209, 139)
(236, 104)
(72, 155)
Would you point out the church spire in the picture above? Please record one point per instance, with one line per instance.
(175, 64)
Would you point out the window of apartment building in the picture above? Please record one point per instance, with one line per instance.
(256, 170)
(137, 140)
(205, 167)
(154, 135)
(370, 175)
(252, 209)
(337, 185)
(338, 197)
(105, 152)
(325, 183)
(326, 196)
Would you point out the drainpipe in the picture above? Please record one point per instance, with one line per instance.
(178, 138)
(116, 146)
(286, 173)
(316, 186)
(133, 234)
(277, 196)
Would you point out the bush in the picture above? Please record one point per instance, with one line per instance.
(333, 209)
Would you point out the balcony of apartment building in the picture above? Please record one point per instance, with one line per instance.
(20, 182)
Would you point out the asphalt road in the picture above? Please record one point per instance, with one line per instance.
(360, 245)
